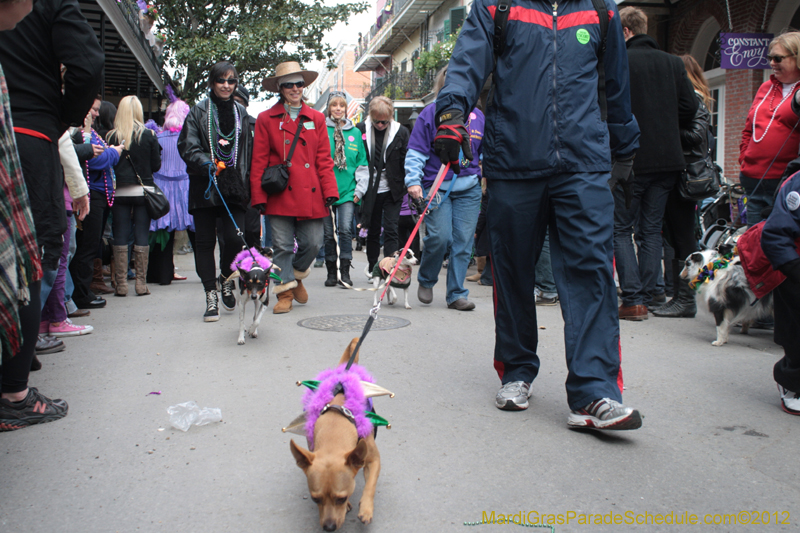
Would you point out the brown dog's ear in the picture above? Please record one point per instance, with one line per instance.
(303, 457)
(355, 459)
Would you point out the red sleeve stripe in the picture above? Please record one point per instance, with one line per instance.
(533, 16)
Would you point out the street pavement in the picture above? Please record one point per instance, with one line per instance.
(714, 439)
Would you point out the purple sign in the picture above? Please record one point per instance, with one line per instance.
(744, 50)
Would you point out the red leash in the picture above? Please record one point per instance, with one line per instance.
(436, 184)
(373, 313)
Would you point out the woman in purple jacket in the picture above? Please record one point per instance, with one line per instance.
(454, 212)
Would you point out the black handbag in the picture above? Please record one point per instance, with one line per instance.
(156, 203)
(700, 179)
(276, 177)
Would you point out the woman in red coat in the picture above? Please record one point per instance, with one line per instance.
(297, 211)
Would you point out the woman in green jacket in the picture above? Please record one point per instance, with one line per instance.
(350, 167)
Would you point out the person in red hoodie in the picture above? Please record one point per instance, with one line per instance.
(771, 135)
(295, 213)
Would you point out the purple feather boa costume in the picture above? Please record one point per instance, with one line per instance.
(244, 261)
(314, 401)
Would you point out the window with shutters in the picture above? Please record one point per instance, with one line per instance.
(457, 16)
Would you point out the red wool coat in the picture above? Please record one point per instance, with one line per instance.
(311, 177)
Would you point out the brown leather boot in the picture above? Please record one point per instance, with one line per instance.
(141, 254)
(284, 304)
(481, 260)
(99, 286)
(120, 270)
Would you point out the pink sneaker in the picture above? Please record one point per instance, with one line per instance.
(44, 327)
(68, 329)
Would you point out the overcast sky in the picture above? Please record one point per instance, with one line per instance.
(340, 32)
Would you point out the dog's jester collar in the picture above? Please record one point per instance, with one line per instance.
(358, 387)
(709, 270)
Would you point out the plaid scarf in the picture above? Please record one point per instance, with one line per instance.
(19, 255)
(339, 159)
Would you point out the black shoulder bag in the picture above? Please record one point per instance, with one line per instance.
(276, 177)
(156, 203)
(700, 179)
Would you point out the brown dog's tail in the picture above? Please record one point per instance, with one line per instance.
(348, 351)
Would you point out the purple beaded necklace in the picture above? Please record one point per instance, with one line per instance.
(106, 171)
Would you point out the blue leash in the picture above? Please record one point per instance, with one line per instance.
(207, 196)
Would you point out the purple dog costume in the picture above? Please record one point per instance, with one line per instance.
(244, 261)
(314, 401)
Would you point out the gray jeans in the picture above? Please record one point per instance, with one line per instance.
(285, 230)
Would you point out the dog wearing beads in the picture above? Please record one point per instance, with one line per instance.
(720, 282)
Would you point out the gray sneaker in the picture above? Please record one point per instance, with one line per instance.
(541, 300)
(513, 396)
(605, 414)
(425, 294)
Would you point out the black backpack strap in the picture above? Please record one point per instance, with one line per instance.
(499, 41)
(602, 14)
(500, 20)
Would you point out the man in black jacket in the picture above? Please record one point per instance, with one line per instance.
(55, 33)
(663, 101)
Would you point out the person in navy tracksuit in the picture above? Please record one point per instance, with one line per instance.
(780, 241)
(547, 160)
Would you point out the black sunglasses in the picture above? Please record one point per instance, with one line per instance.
(290, 85)
(777, 58)
(229, 81)
(381, 122)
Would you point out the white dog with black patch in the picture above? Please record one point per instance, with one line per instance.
(722, 284)
(401, 279)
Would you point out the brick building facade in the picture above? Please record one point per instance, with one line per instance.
(693, 26)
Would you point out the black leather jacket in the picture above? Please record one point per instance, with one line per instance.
(694, 140)
(195, 152)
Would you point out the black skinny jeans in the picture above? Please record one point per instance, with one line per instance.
(127, 210)
(16, 369)
(679, 217)
(87, 242)
(386, 213)
(205, 240)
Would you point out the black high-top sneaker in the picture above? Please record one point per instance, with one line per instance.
(227, 288)
(212, 307)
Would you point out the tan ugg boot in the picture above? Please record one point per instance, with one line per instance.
(141, 254)
(300, 293)
(285, 294)
(99, 286)
(481, 260)
(120, 270)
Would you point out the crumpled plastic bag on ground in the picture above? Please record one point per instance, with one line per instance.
(183, 415)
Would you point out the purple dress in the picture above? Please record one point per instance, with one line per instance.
(174, 181)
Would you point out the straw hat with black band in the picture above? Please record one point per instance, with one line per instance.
(288, 72)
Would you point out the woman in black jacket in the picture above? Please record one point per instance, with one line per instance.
(141, 157)
(679, 215)
(381, 196)
(229, 158)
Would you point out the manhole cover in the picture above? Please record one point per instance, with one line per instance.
(351, 322)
